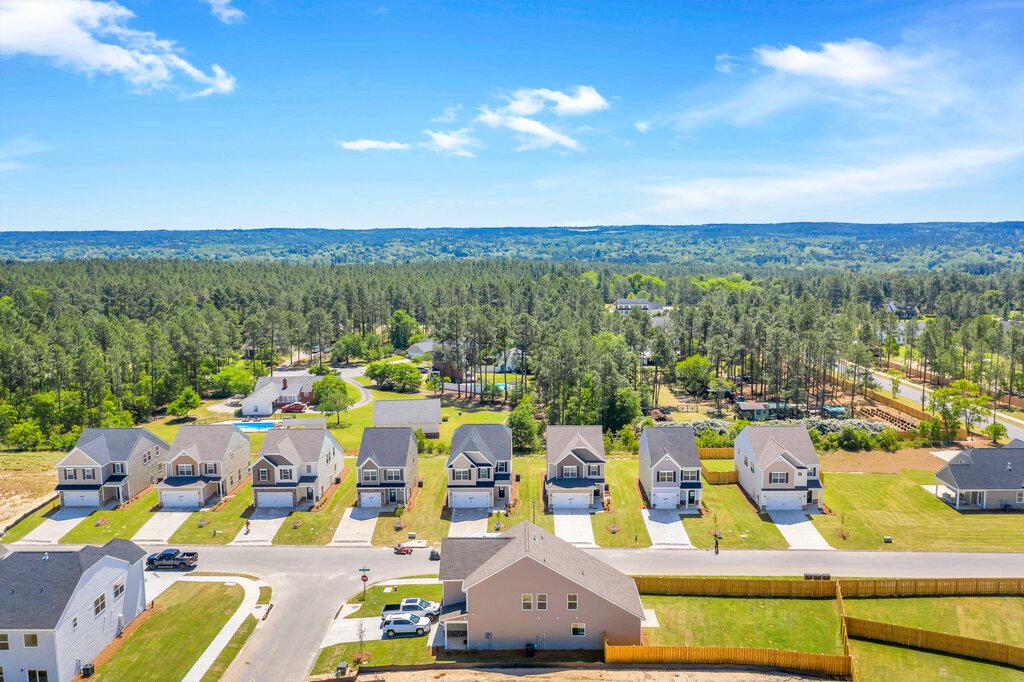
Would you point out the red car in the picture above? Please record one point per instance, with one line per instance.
(293, 407)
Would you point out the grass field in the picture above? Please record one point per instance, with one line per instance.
(718, 464)
(895, 504)
(376, 597)
(227, 521)
(30, 523)
(881, 662)
(740, 524)
(187, 617)
(121, 523)
(531, 500)
(425, 518)
(621, 477)
(810, 625)
(997, 619)
(238, 640)
(317, 527)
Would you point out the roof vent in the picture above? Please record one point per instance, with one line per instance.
(1009, 466)
(46, 556)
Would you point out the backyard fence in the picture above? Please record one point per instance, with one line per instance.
(776, 659)
(932, 587)
(715, 453)
(970, 647)
(734, 587)
(720, 477)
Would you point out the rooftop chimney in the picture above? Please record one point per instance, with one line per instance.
(284, 382)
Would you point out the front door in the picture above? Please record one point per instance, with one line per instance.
(309, 492)
(810, 497)
(976, 498)
(691, 497)
(392, 495)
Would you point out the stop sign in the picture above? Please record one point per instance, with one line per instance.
(364, 577)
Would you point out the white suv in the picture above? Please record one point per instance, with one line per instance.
(405, 624)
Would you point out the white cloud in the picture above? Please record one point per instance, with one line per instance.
(452, 142)
(585, 100)
(12, 153)
(643, 126)
(365, 145)
(535, 134)
(724, 62)
(852, 62)
(450, 113)
(90, 36)
(225, 12)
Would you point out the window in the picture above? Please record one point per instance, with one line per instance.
(572, 602)
(88, 474)
(286, 474)
(118, 590)
(501, 467)
(460, 475)
(118, 467)
(813, 473)
(184, 469)
(38, 676)
(99, 604)
(392, 474)
(370, 476)
(1, 673)
(147, 457)
(527, 602)
(594, 470)
(309, 468)
(745, 462)
(31, 640)
(542, 602)
(776, 477)
(264, 475)
(74, 623)
(70, 474)
(211, 468)
(1020, 497)
(5, 643)
(484, 472)
(579, 629)
(691, 475)
(666, 476)
(569, 472)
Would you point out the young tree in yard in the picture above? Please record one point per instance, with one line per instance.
(435, 383)
(995, 431)
(401, 328)
(332, 396)
(524, 425)
(347, 347)
(186, 401)
(694, 373)
(895, 387)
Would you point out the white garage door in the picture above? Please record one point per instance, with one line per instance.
(666, 500)
(369, 499)
(274, 499)
(180, 499)
(570, 500)
(785, 502)
(469, 500)
(89, 498)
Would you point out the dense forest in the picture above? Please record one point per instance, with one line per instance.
(969, 247)
(86, 342)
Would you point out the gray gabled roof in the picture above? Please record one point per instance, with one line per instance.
(388, 446)
(569, 561)
(114, 445)
(790, 442)
(297, 383)
(206, 442)
(482, 443)
(424, 346)
(304, 444)
(405, 412)
(586, 442)
(679, 443)
(460, 556)
(986, 468)
(35, 587)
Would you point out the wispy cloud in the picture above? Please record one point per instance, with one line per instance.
(452, 142)
(583, 100)
(853, 62)
(449, 115)
(365, 145)
(89, 36)
(724, 62)
(225, 11)
(533, 133)
(12, 153)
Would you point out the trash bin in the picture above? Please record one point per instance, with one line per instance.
(88, 670)
(531, 649)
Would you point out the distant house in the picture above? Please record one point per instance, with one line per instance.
(529, 587)
(778, 467)
(751, 410)
(206, 461)
(387, 466)
(624, 305)
(272, 393)
(903, 311)
(508, 362)
(986, 478)
(59, 610)
(420, 348)
(416, 414)
(296, 465)
(480, 466)
(670, 467)
(109, 466)
(575, 467)
(901, 332)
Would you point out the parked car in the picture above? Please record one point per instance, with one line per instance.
(294, 407)
(414, 606)
(401, 624)
(402, 550)
(172, 558)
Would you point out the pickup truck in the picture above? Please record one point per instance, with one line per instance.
(403, 624)
(413, 606)
(172, 558)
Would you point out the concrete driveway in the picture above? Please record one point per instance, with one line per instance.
(263, 526)
(356, 527)
(56, 526)
(665, 528)
(468, 522)
(161, 526)
(573, 525)
(798, 530)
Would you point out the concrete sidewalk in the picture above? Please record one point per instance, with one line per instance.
(214, 649)
(573, 525)
(468, 522)
(798, 530)
(356, 527)
(666, 528)
(263, 526)
(161, 526)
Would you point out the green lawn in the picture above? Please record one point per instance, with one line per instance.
(227, 521)
(994, 618)
(740, 524)
(627, 503)
(238, 640)
(187, 617)
(318, 526)
(893, 504)
(121, 523)
(810, 625)
(30, 523)
(718, 464)
(531, 500)
(425, 518)
(376, 597)
(882, 662)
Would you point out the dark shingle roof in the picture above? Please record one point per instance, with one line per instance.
(35, 587)
(586, 442)
(986, 469)
(482, 443)
(678, 442)
(207, 442)
(388, 446)
(770, 442)
(405, 412)
(460, 556)
(303, 443)
(113, 445)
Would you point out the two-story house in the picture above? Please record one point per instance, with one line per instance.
(575, 476)
(670, 467)
(274, 392)
(59, 610)
(296, 465)
(110, 466)
(386, 466)
(528, 586)
(480, 466)
(422, 414)
(778, 467)
(624, 305)
(206, 461)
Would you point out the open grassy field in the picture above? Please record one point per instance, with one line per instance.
(882, 662)
(26, 479)
(796, 624)
(425, 518)
(718, 464)
(740, 524)
(317, 527)
(376, 597)
(222, 525)
(120, 523)
(873, 505)
(997, 619)
(621, 476)
(531, 499)
(187, 617)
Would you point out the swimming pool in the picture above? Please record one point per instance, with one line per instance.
(255, 426)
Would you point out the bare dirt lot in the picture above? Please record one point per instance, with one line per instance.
(879, 462)
(509, 675)
(26, 480)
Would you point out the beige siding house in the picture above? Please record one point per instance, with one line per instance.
(110, 466)
(206, 462)
(296, 465)
(669, 467)
(387, 466)
(575, 477)
(480, 466)
(778, 467)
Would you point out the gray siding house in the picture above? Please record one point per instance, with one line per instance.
(59, 610)
(531, 587)
(670, 467)
(985, 478)
(271, 393)
(778, 467)
(387, 466)
(414, 413)
(110, 466)
(575, 477)
(206, 461)
(480, 466)
(296, 465)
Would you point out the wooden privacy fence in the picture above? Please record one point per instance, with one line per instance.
(720, 477)
(797, 661)
(734, 587)
(932, 587)
(936, 641)
(715, 453)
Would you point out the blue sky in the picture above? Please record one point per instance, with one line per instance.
(144, 114)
